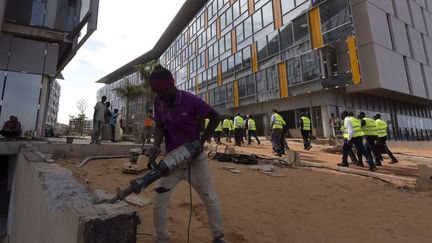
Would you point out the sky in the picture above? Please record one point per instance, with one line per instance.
(126, 30)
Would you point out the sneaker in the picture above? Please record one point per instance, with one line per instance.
(219, 239)
(343, 164)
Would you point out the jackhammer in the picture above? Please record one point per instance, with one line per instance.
(182, 156)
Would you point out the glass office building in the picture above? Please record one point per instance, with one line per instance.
(318, 57)
(252, 56)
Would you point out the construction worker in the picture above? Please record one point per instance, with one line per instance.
(370, 133)
(238, 129)
(252, 130)
(382, 138)
(177, 115)
(245, 129)
(231, 127)
(354, 136)
(226, 126)
(305, 129)
(218, 133)
(206, 122)
(276, 127)
(351, 153)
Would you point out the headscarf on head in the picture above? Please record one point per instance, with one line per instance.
(161, 79)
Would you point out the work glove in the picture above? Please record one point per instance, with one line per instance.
(153, 153)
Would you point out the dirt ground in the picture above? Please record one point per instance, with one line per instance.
(308, 205)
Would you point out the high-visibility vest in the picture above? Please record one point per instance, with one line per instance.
(278, 122)
(239, 122)
(370, 128)
(226, 124)
(219, 127)
(206, 122)
(356, 126)
(344, 132)
(251, 124)
(381, 128)
(306, 123)
(231, 125)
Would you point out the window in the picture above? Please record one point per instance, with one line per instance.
(310, 66)
(294, 71)
(246, 57)
(236, 10)
(229, 91)
(272, 78)
(286, 37)
(243, 6)
(262, 49)
(216, 96)
(267, 13)
(273, 43)
(224, 67)
(231, 64)
(300, 27)
(250, 84)
(238, 60)
(222, 94)
(242, 91)
(287, 5)
(247, 27)
(257, 21)
(227, 41)
(260, 81)
(239, 33)
(222, 45)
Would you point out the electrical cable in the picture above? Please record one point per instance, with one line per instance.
(190, 202)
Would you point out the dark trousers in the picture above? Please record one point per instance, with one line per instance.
(227, 134)
(97, 131)
(276, 139)
(371, 148)
(217, 136)
(10, 134)
(306, 141)
(382, 142)
(238, 136)
(358, 143)
(113, 132)
(252, 133)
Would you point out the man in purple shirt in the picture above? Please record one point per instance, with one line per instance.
(178, 115)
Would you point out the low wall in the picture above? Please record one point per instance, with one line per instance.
(48, 205)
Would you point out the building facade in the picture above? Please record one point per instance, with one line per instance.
(53, 103)
(317, 57)
(37, 40)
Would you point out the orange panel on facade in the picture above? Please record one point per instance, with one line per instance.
(352, 53)
(235, 93)
(251, 7)
(283, 85)
(218, 29)
(219, 74)
(315, 28)
(277, 13)
(254, 57)
(233, 42)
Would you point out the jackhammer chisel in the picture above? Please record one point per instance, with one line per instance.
(179, 157)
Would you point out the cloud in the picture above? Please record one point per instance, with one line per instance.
(125, 31)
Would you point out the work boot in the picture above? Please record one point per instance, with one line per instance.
(360, 163)
(378, 163)
(372, 168)
(394, 161)
(343, 164)
(259, 143)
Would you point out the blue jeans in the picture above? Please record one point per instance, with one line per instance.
(358, 143)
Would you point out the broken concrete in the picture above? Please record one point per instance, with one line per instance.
(424, 181)
(48, 205)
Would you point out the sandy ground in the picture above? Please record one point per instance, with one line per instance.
(305, 206)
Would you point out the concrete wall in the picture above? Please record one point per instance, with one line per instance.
(395, 46)
(48, 206)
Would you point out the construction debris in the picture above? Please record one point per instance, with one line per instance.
(265, 168)
(86, 160)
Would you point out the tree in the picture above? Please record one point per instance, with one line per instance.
(82, 106)
(128, 92)
(145, 71)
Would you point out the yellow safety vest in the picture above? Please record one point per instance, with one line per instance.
(239, 122)
(206, 122)
(370, 128)
(278, 122)
(344, 132)
(219, 127)
(226, 123)
(381, 128)
(231, 125)
(251, 125)
(356, 126)
(306, 123)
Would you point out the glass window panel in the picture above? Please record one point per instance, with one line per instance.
(243, 6)
(274, 77)
(246, 57)
(231, 64)
(287, 5)
(262, 48)
(216, 96)
(222, 93)
(257, 21)
(250, 83)
(223, 20)
(224, 67)
(239, 33)
(247, 27)
(310, 66)
(273, 43)
(228, 41)
(286, 36)
(260, 81)
(216, 50)
(21, 98)
(293, 71)
(300, 27)
(229, 16)
(229, 90)
(236, 9)
(267, 12)
(242, 87)
(334, 14)
(238, 60)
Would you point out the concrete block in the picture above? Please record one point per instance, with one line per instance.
(402, 11)
(416, 78)
(400, 36)
(424, 181)
(417, 45)
(417, 17)
(385, 5)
